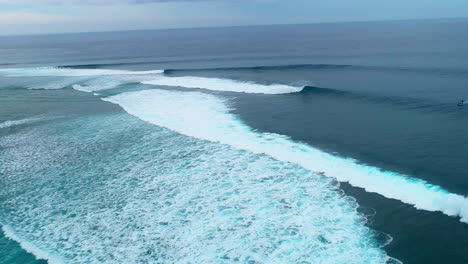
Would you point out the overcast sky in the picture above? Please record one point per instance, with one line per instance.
(53, 16)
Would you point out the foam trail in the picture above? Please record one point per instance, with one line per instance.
(11, 123)
(207, 117)
(65, 72)
(30, 247)
(224, 85)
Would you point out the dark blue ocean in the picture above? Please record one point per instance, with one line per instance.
(322, 143)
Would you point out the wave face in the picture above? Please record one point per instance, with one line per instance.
(123, 191)
(224, 85)
(207, 117)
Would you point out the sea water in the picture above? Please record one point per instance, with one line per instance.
(327, 143)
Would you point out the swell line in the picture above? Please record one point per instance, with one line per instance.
(404, 102)
(287, 67)
(427, 70)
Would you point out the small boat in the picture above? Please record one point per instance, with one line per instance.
(461, 103)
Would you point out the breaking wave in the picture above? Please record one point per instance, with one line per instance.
(31, 247)
(207, 117)
(90, 80)
(225, 85)
(137, 193)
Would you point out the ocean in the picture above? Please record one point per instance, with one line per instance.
(319, 143)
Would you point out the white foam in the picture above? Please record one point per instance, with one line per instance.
(224, 85)
(162, 197)
(81, 88)
(69, 72)
(89, 80)
(96, 87)
(108, 82)
(207, 117)
(11, 123)
(30, 247)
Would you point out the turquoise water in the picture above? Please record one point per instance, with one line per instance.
(135, 192)
(337, 143)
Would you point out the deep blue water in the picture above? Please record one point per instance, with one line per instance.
(324, 143)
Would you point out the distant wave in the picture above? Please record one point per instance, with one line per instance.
(405, 102)
(287, 67)
(103, 65)
(88, 80)
(207, 117)
(30, 247)
(443, 71)
(91, 80)
(65, 72)
(272, 67)
(225, 85)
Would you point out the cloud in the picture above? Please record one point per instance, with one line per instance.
(19, 18)
(93, 2)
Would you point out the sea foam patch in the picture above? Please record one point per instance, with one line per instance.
(18, 122)
(207, 117)
(137, 193)
(225, 85)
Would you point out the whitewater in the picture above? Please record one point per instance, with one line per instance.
(139, 193)
(12, 123)
(90, 80)
(322, 143)
(208, 117)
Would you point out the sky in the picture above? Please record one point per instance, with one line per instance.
(62, 16)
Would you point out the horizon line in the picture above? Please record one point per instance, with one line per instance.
(231, 26)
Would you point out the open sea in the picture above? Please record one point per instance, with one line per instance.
(336, 143)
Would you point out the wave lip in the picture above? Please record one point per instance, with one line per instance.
(225, 85)
(207, 117)
(31, 248)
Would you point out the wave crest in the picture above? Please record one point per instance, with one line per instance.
(207, 117)
(225, 85)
